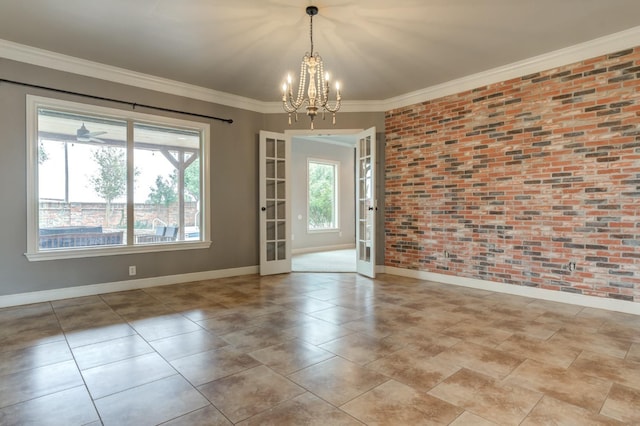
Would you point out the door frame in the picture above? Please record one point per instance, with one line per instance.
(290, 134)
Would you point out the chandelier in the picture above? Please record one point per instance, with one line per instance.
(317, 91)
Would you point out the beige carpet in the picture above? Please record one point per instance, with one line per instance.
(325, 261)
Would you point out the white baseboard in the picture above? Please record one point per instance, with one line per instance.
(533, 292)
(323, 248)
(90, 290)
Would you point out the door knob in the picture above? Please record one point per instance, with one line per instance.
(263, 209)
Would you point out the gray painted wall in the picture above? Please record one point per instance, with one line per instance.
(234, 186)
(301, 151)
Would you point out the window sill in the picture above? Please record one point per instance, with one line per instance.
(323, 231)
(113, 251)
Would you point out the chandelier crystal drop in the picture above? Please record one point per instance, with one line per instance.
(317, 89)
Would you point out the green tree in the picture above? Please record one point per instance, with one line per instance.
(321, 196)
(42, 154)
(192, 180)
(110, 179)
(165, 191)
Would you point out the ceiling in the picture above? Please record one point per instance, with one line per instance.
(378, 49)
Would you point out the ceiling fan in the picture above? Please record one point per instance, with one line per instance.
(84, 135)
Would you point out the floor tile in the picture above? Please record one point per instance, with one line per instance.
(186, 344)
(634, 353)
(291, 356)
(34, 357)
(211, 365)
(393, 403)
(608, 368)
(283, 319)
(68, 407)
(540, 350)
(566, 385)
(481, 334)
(622, 404)
(250, 392)
(591, 341)
(75, 301)
(487, 397)
(164, 326)
(254, 338)
(526, 327)
(408, 366)
(337, 380)
(361, 348)
(306, 304)
(227, 323)
(306, 409)
(482, 359)
(118, 376)
(630, 332)
(470, 419)
(29, 384)
(550, 411)
(150, 404)
(426, 342)
(206, 416)
(79, 317)
(337, 315)
(109, 351)
(90, 336)
(318, 332)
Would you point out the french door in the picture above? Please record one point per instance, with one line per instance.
(366, 205)
(275, 208)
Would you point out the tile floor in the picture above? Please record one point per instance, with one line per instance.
(316, 349)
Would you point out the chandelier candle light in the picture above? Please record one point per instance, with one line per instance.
(317, 92)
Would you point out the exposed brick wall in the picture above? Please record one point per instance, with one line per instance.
(517, 179)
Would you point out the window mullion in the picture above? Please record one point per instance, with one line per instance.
(130, 182)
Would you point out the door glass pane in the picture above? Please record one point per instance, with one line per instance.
(281, 190)
(271, 231)
(281, 170)
(271, 148)
(281, 230)
(271, 169)
(271, 251)
(281, 151)
(282, 251)
(271, 189)
(271, 210)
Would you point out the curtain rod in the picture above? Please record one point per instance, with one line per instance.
(100, 98)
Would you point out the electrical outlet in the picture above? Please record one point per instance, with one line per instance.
(572, 266)
(132, 270)
(446, 254)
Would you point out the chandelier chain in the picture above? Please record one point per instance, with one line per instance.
(311, 32)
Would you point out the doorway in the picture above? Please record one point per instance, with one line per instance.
(277, 214)
(323, 229)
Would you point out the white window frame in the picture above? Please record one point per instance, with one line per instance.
(336, 184)
(33, 248)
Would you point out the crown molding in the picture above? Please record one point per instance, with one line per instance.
(59, 62)
(569, 55)
(590, 49)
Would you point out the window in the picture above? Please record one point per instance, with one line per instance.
(106, 181)
(322, 209)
